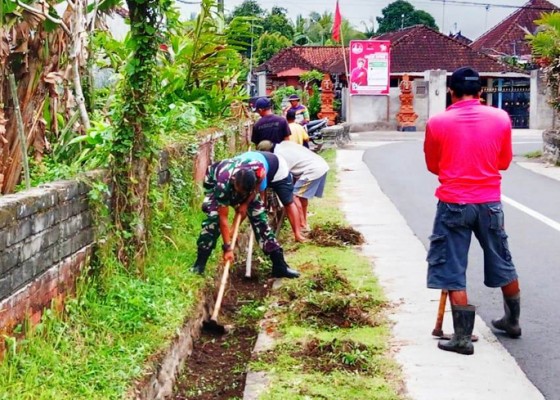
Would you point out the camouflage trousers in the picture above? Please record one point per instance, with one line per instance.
(258, 218)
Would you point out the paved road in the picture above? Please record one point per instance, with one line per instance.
(532, 222)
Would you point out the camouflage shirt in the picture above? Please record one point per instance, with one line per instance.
(218, 182)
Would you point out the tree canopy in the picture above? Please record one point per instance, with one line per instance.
(401, 14)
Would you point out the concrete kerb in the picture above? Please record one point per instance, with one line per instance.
(491, 373)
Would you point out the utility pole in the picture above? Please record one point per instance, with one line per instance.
(443, 19)
(221, 7)
(402, 21)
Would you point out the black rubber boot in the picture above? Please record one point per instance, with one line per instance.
(510, 321)
(280, 269)
(201, 260)
(463, 325)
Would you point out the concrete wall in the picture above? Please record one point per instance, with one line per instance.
(380, 112)
(551, 146)
(46, 236)
(437, 91)
(541, 114)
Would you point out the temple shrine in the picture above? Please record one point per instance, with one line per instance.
(327, 97)
(406, 116)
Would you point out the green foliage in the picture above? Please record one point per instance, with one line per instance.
(545, 46)
(277, 21)
(135, 140)
(205, 69)
(314, 104)
(393, 20)
(249, 8)
(269, 44)
(282, 94)
(310, 76)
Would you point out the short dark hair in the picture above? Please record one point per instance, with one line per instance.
(465, 81)
(246, 179)
(291, 115)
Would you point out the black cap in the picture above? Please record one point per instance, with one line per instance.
(464, 74)
(263, 103)
(293, 97)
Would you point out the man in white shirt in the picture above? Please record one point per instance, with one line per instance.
(309, 168)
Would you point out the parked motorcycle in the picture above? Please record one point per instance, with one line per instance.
(314, 129)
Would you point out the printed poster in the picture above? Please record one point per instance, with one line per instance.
(370, 67)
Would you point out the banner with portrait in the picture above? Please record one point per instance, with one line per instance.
(370, 67)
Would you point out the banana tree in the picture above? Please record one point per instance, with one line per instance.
(46, 53)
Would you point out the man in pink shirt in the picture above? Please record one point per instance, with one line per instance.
(466, 146)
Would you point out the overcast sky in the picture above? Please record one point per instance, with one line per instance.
(470, 17)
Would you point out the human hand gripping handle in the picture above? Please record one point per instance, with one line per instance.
(225, 275)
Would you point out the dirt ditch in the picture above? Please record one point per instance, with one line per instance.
(217, 367)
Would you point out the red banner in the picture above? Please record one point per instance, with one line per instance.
(336, 24)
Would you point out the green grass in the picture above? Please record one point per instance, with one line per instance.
(345, 275)
(115, 324)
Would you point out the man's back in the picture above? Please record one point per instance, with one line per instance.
(466, 146)
(270, 127)
(302, 162)
(299, 135)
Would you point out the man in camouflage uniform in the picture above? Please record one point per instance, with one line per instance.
(236, 182)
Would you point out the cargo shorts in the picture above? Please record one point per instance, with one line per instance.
(447, 256)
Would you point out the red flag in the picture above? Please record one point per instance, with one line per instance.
(336, 24)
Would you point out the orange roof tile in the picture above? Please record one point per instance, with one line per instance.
(413, 49)
(304, 57)
(419, 48)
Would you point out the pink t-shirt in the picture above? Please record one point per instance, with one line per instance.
(467, 146)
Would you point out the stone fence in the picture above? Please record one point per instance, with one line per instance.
(551, 146)
(47, 236)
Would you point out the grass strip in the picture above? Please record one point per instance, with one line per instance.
(334, 333)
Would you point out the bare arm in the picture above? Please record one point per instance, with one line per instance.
(224, 230)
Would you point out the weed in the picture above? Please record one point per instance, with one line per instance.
(534, 154)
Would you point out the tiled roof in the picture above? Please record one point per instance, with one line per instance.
(308, 58)
(507, 38)
(419, 48)
(413, 49)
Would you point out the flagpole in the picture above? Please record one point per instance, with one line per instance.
(345, 64)
(344, 54)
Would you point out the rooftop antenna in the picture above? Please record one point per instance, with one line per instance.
(487, 7)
